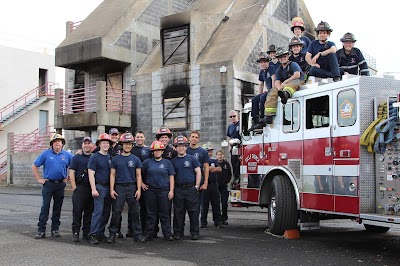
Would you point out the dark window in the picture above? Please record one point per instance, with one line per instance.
(175, 107)
(347, 108)
(317, 112)
(175, 45)
(291, 117)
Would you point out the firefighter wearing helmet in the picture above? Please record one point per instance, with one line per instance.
(298, 28)
(126, 186)
(289, 77)
(321, 54)
(351, 60)
(115, 148)
(164, 136)
(55, 162)
(159, 192)
(187, 182)
(297, 55)
(99, 178)
(212, 193)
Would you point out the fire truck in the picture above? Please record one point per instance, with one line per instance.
(309, 165)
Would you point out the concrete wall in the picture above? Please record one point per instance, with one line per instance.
(19, 72)
(22, 172)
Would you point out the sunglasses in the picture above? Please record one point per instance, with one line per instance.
(232, 116)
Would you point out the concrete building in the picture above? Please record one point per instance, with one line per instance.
(181, 63)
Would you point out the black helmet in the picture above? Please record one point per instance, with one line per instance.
(281, 51)
(323, 26)
(295, 41)
(263, 57)
(271, 48)
(348, 37)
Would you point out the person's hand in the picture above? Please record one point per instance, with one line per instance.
(317, 65)
(73, 187)
(66, 180)
(170, 195)
(95, 193)
(42, 180)
(79, 152)
(204, 187)
(145, 187)
(137, 194)
(113, 194)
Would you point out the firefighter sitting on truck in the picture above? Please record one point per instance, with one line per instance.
(288, 78)
(351, 60)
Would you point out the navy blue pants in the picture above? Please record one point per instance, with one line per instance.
(126, 194)
(329, 67)
(82, 203)
(257, 105)
(101, 211)
(223, 191)
(186, 200)
(56, 191)
(158, 206)
(211, 195)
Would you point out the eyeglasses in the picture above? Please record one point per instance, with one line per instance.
(232, 116)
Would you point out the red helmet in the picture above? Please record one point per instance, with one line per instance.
(102, 137)
(163, 130)
(180, 140)
(126, 138)
(157, 145)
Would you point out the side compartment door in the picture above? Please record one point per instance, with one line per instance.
(346, 150)
(317, 153)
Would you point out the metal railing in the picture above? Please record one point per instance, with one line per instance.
(25, 100)
(79, 100)
(118, 100)
(34, 141)
(3, 162)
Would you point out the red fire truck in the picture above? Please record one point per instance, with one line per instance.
(309, 165)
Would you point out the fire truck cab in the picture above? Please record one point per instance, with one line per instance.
(309, 165)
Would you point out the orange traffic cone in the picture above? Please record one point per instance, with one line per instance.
(292, 234)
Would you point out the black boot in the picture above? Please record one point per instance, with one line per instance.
(254, 122)
(284, 96)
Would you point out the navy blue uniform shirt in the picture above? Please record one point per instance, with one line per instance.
(100, 164)
(301, 60)
(282, 74)
(158, 172)
(142, 152)
(266, 76)
(55, 165)
(185, 169)
(316, 47)
(213, 178)
(225, 176)
(200, 154)
(125, 168)
(233, 131)
(79, 163)
(306, 42)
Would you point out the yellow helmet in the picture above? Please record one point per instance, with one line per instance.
(57, 136)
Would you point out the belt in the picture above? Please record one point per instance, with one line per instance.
(55, 181)
(102, 183)
(185, 185)
(126, 184)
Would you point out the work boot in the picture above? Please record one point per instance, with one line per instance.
(177, 236)
(40, 235)
(93, 240)
(195, 237)
(75, 237)
(119, 235)
(111, 239)
(224, 222)
(286, 122)
(284, 96)
(140, 239)
(336, 79)
(129, 234)
(55, 233)
(254, 122)
(169, 238)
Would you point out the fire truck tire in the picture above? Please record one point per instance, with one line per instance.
(376, 229)
(282, 208)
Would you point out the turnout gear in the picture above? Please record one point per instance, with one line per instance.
(126, 138)
(57, 136)
(348, 37)
(323, 26)
(157, 145)
(163, 130)
(297, 22)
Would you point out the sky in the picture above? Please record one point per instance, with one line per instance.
(39, 25)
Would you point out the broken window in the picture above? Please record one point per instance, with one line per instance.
(175, 45)
(175, 107)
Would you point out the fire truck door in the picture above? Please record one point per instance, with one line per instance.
(346, 157)
(317, 153)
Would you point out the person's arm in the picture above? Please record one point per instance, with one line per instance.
(171, 187)
(331, 50)
(215, 169)
(35, 170)
(92, 182)
(206, 167)
(362, 64)
(113, 194)
(278, 84)
(138, 192)
(296, 75)
(198, 176)
(72, 178)
(260, 87)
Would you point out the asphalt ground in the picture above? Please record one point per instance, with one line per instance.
(244, 241)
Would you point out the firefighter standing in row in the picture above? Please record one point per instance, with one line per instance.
(99, 178)
(187, 184)
(55, 163)
(125, 186)
(142, 152)
(351, 60)
(224, 178)
(212, 193)
(288, 78)
(159, 174)
(82, 200)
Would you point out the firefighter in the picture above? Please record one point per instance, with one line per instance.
(297, 55)
(233, 132)
(274, 63)
(82, 200)
(55, 163)
(99, 178)
(265, 78)
(289, 77)
(298, 29)
(350, 58)
(143, 153)
(159, 173)
(125, 186)
(212, 193)
(187, 183)
(321, 54)
(224, 178)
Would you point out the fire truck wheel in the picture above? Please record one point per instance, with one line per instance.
(376, 229)
(282, 208)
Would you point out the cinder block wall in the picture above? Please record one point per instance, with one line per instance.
(22, 174)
